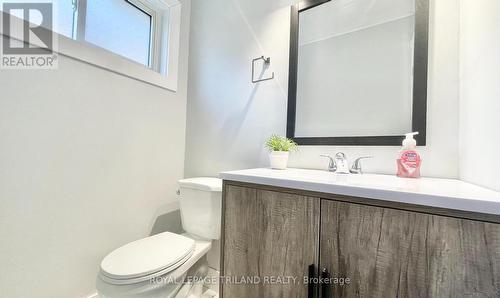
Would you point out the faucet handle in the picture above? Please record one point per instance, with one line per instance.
(332, 166)
(356, 165)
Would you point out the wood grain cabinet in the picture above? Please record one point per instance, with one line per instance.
(268, 235)
(395, 253)
(360, 250)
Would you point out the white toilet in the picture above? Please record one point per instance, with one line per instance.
(156, 266)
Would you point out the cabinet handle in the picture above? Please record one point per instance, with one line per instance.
(324, 285)
(310, 285)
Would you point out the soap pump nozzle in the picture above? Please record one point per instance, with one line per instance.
(409, 142)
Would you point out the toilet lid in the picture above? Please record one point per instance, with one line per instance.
(147, 256)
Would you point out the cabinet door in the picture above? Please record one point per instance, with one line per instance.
(394, 253)
(269, 235)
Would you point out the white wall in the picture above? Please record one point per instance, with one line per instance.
(480, 92)
(88, 160)
(229, 118)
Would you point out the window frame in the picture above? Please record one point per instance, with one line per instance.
(79, 27)
(164, 67)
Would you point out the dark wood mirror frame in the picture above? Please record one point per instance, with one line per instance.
(419, 114)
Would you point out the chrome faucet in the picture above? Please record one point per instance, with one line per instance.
(340, 164)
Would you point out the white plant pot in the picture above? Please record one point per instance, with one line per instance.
(279, 159)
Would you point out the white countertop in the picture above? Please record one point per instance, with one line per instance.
(434, 192)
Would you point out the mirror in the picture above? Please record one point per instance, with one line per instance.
(358, 71)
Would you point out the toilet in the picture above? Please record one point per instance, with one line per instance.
(157, 266)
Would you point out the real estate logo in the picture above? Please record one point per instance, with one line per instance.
(28, 40)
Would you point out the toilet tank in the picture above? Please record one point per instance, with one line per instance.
(201, 206)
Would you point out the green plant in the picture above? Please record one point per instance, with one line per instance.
(278, 143)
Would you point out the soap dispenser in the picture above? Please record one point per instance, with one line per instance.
(409, 160)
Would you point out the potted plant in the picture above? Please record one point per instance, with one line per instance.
(279, 150)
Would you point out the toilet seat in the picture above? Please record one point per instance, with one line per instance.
(146, 258)
(165, 282)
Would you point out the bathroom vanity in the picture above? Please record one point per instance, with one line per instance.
(367, 235)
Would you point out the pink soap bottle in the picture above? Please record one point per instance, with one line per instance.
(409, 160)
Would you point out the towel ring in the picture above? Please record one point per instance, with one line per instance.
(267, 61)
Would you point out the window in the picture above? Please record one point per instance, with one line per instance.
(144, 32)
(121, 27)
(125, 27)
(65, 17)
